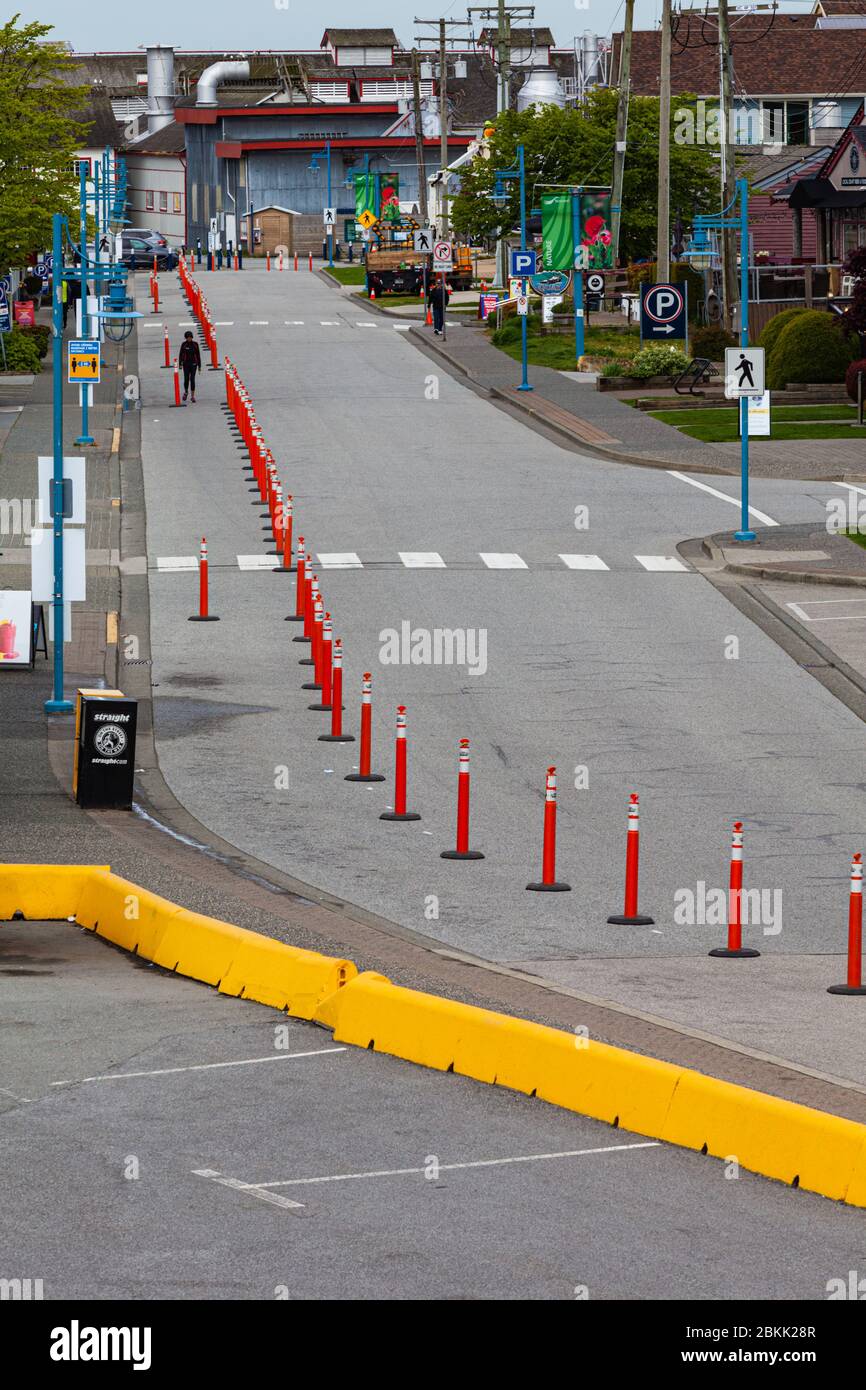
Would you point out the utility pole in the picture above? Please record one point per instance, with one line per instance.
(419, 136)
(444, 229)
(729, 250)
(621, 127)
(663, 235)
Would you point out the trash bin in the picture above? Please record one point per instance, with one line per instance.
(104, 765)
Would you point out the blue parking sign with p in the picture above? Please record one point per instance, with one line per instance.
(663, 312)
(523, 264)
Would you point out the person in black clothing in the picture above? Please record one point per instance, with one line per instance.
(438, 303)
(189, 359)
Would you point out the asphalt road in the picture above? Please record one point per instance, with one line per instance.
(627, 678)
(161, 1141)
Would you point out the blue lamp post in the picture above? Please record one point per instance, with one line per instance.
(314, 165)
(58, 704)
(740, 221)
(503, 177)
(85, 437)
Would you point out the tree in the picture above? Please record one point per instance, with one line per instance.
(38, 139)
(855, 317)
(574, 146)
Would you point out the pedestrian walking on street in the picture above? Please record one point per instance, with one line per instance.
(189, 359)
(438, 303)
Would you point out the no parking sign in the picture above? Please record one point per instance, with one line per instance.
(663, 312)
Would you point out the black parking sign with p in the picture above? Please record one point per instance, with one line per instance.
(663, 313)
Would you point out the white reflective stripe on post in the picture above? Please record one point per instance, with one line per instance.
(550, 791)
(463, 761)
(856, 874)
(737, 842)
(633, 812)
(401, 722)
(367, 689)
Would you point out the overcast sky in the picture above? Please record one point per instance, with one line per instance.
(257, 24)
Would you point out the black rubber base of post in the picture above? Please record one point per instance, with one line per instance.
(202, 620)
(298, 639)
(548, 887)
(311, 685)
(744, 953)
(307, 661)
(296, 618)
(393, 815)
(292, 569)
(847, 989)
(182, 406)
(343, 738)
(631, 921)
(364, 776)
(461, 854)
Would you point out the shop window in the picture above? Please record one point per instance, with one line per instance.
(148, 201)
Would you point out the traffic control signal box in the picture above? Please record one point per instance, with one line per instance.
(104, 768)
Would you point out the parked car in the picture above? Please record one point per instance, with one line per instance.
(145, 234)
(140, 255)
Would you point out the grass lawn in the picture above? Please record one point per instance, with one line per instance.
(348, 274)
(557, 349)
(720, 426)
(857, 538)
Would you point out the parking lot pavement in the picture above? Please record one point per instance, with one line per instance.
(162, 1141)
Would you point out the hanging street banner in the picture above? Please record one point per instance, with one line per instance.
(365, 199)
(389, 194)
(557, 234)
(596, 239)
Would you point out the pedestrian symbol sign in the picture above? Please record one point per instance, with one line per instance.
(424, 240)
(368, 219)
(744, 372)
(330, 218)
(83, 360)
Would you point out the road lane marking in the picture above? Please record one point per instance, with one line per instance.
(714, 492)
(495, 560)
(294, 323)
(224, 323)
(402, 327)
(584, 562)
(366, 325)
(842, 618)
(340, 560)
(329, 323)
(455, 1167)
(258, 562)
(422, 559)
(659, 563)
(272, 1197)
(203, 1066)
(176, 564)
(258, 323)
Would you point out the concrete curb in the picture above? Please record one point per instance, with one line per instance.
(777, 1138)
(855, 581)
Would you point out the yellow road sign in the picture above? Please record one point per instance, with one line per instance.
(368, 219)
(83, 359)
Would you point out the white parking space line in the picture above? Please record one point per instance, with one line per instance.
(661, 563)
(422, 559)
(714, 492)
(258, 562)
(341, 560)
(455, 1167)
(584, 562)
(828, 617)
(204, 1066)
(176, 564)
(272, 1197)
(495, 560)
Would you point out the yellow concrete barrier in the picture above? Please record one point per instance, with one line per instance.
(44, 892)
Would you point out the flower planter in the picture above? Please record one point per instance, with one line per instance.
(631, 383)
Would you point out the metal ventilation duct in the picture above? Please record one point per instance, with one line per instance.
(160, 88)
(541, 88)
(215, 76)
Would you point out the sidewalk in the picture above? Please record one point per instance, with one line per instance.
(598, 422)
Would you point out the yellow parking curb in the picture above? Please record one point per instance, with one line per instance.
(777, 1138)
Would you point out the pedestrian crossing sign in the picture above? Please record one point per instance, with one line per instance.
(368, 219)
(84, 360)
(744, 372)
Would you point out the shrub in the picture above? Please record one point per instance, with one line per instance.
(616, 368)
(22, 354)
(859, 365)
(777, 323)
(812, 347)
(41, 335)
(658, 360)
(681, 273)
(711, 341)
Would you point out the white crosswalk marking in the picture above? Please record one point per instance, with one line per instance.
(661, 562)
(584, 562)
(496, 561)
(177, 564)
(367, 325)
(402, 327)
(329, 323)
(294, 323)
(340, 560)
(422, 559)
(258, 562)
(258, 323)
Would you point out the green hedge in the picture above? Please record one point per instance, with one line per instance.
(810, 348)
(775, 326)
(22, 353)
(711, 341)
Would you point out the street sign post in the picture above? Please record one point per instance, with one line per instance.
(524, 264)
(744, 372)
(84, 360)
(329, 217)
(663, 312)
(424, 240)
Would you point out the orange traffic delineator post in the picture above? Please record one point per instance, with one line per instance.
(167, 349)
(462, 851)
(296, 260)
(156, 296)
(311, 260)
(287, 523)
(400, 760)
(268, 259)
(178, 403)
(281, 260)
(203, 615)
(214, 355)
(735, 945)
(298, 615)
(548, 882)
(326, 666)
(854, 984)
(364, 774)
(630, 915)
(315, 657)
(336, 735)
(309, 632)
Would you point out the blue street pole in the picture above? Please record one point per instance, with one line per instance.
(521, 164)
(58, 704)
(745, 532)
(330, 204)
(579, 314)
(85, 438)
